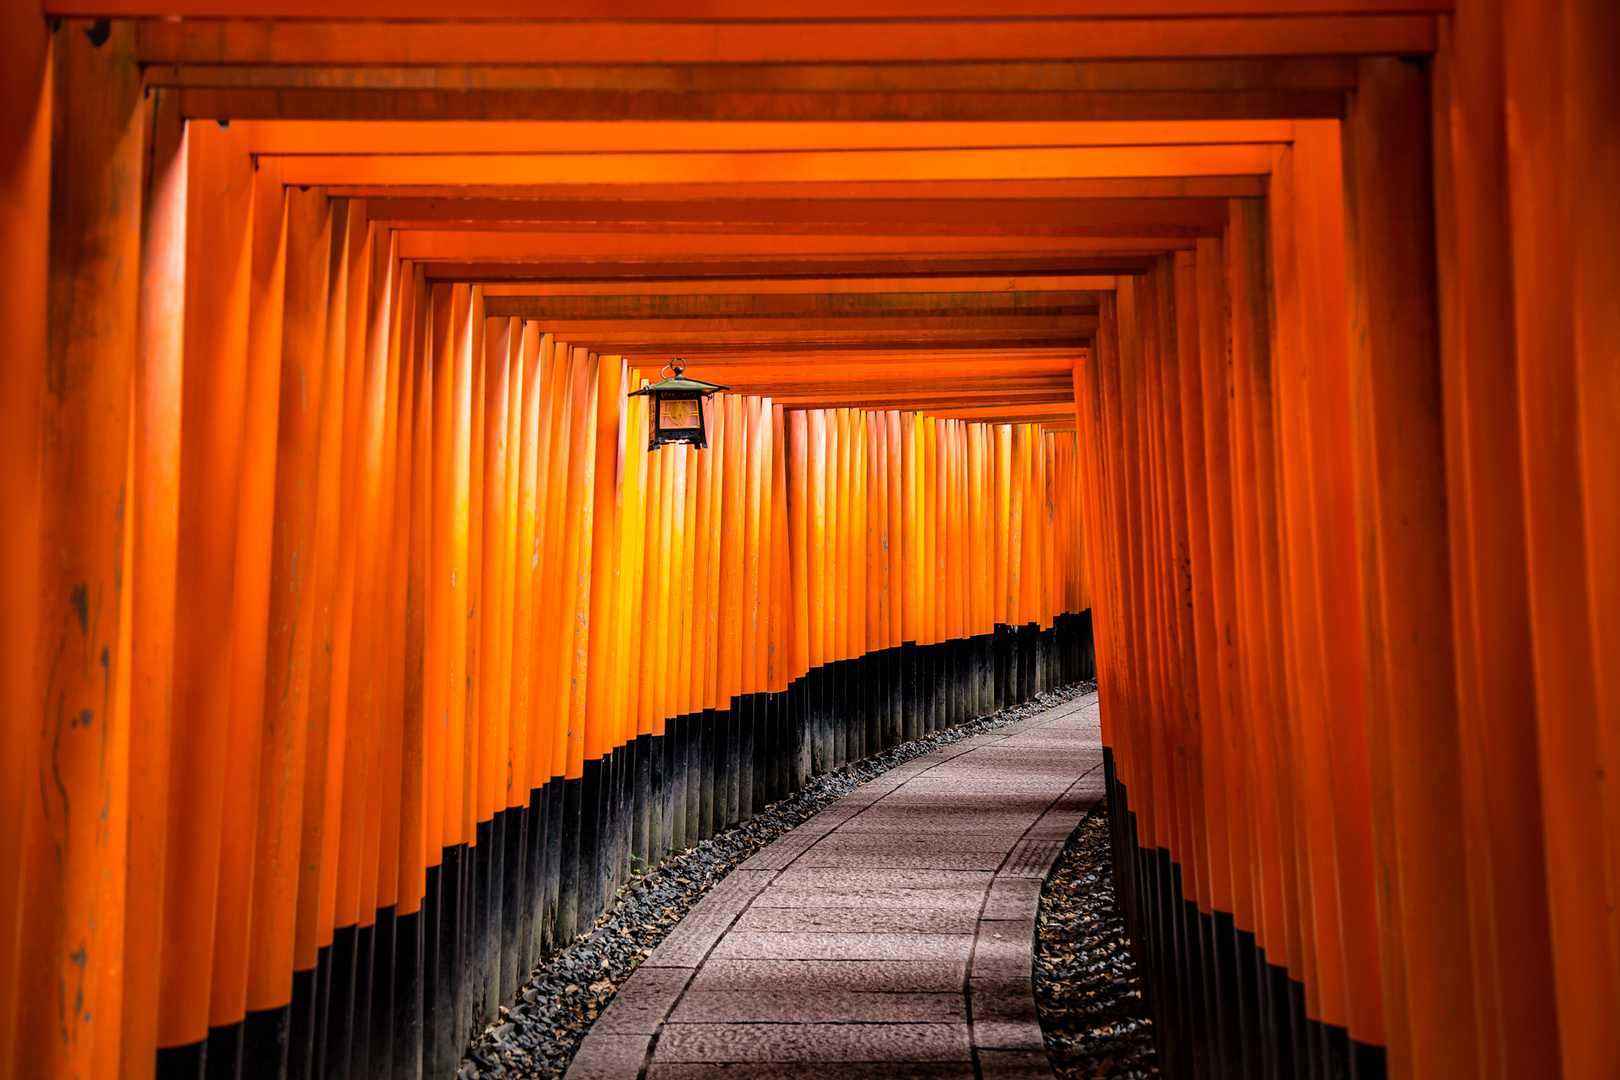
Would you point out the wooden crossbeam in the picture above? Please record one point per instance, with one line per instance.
(1007, 412)
(869, 229)
(527, 104)
(408, 101)
(1091, 283)
(943, 406)
(361, 138)
(788, 367)
(908, 333)
(1033, 163)
(871, 363)
(711, 346)
(820, 378)
(314, 39)
(767, 327)
(631, 189)
(787, 10)
(597, 247)
(1139, 216)
(1299, 75)
(778, 306)
(726, 269)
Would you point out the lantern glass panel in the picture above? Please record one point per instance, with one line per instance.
(679, 415)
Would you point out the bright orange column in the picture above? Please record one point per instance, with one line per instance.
(1406, 598)
(1557, 94)
(526, 566)
(219, 195)
(277, 875)
(83, 422)
(251, 602)
(414, 475)
(25, 163)
(154, 503)
(1497, 707)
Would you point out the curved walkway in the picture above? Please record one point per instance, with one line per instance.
(889, 936)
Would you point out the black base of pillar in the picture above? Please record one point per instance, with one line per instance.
(797, 725)
(743, 709)
(514, 838)
(222, 1059)
(380, 993)
(910, 707)
(303, 1018)
(340, 1002)
(592, 802)
(407, 997)
(486, 916)
(676, 779)
(713, 781)
(556, 789)
(648, 813)
(183, 1062)
(1221, 1008)
(696, 758)
(731, 731)
(568, 892)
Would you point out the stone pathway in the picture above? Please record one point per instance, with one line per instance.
(890, 936)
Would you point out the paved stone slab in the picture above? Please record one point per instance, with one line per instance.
(942, 799)
(899, 836)
(899, 918)
(890, 937)
(641, 1004)
(840, 857)
(609, 1055)
(1032, 858)
(813, 977)
(1012, 898)
(813, 1042)
(743, 945)
(850, 894)
(883, 877)
(1015, 1064)
(938, 822)
(847, 1070)
(791, 1005)
(1001, 1000)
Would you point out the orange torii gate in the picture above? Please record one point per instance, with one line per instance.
(354, 651)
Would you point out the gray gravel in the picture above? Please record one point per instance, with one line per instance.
(564, 996)
(1087, 990)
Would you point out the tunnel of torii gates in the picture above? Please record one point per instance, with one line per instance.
(355, 649)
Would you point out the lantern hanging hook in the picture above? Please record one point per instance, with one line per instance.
(678, 364)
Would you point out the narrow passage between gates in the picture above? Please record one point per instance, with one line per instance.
(890, 936)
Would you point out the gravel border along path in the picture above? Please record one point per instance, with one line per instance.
(537, 1039)
(1087, 989)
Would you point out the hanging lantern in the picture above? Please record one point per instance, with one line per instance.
(677, 409)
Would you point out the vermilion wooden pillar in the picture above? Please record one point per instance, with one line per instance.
(154, 519)
(25, 145)
(1406, 608)
(1321, 239)
(250, 603)
(1262, 697)
(1496, 682)
(288, 655)
(216, 321)
(1558, 97)
(72, 888)
(317, 843)
(1592, 112)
